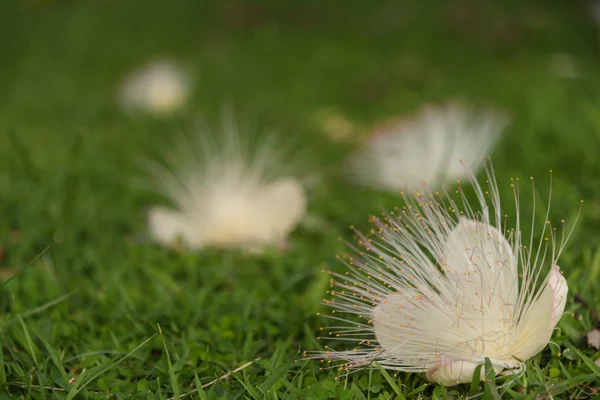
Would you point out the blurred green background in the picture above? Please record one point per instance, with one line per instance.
(83, 288)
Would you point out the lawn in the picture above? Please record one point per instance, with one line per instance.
(92, 309)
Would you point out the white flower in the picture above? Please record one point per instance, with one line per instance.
(228, 193)
(441, 285)
(593, 338)
(160, 87)
(427, 148)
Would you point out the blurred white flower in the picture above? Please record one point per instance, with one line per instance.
(593, 338)
(440, 285)
(427, 148)
(335, 125)
(228, 193)
(565, 66)
(161, 87)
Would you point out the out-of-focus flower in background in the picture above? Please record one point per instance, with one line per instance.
(161, 87)
(442, 284)
(229, 192)
(335, 125)
(593, 338)
(427, 148)
(565, 66)
(595, 11)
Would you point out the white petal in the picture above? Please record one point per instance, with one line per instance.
(410, 329)
(410, 342)
(478, 253)
(283, 205)
(416, 332)
(388, 318)
(450, 372)
(264, 215)
(593, 338)
(166, 226)
(534, 330)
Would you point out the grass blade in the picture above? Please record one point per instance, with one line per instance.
(32, 348)
(74, 393)
(592, 365)
(391, 381)
(475, 381)
(172, 376)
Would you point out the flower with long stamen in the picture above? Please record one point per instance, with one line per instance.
(440, 285)
(229, 192)
(427, 147)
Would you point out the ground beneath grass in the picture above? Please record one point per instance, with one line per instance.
(91, 309)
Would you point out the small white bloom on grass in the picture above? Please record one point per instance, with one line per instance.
(159, 88)
(427, 147)
(228, 192)
(443, 283)
(593, 338)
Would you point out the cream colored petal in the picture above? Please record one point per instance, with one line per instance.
(407, 327)
(450, 372)
(256, 218)
(593, 338)
(479, 253)
(388, 320)
(166, 226)
(537, 323)
(283, 206)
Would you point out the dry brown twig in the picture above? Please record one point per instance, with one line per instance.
(226, 375)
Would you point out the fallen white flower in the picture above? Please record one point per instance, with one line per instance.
(593, 338)
(441, 285)
(161, 87)
(228, 193)
(427, 148)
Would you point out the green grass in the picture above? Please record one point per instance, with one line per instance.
(95, 309)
